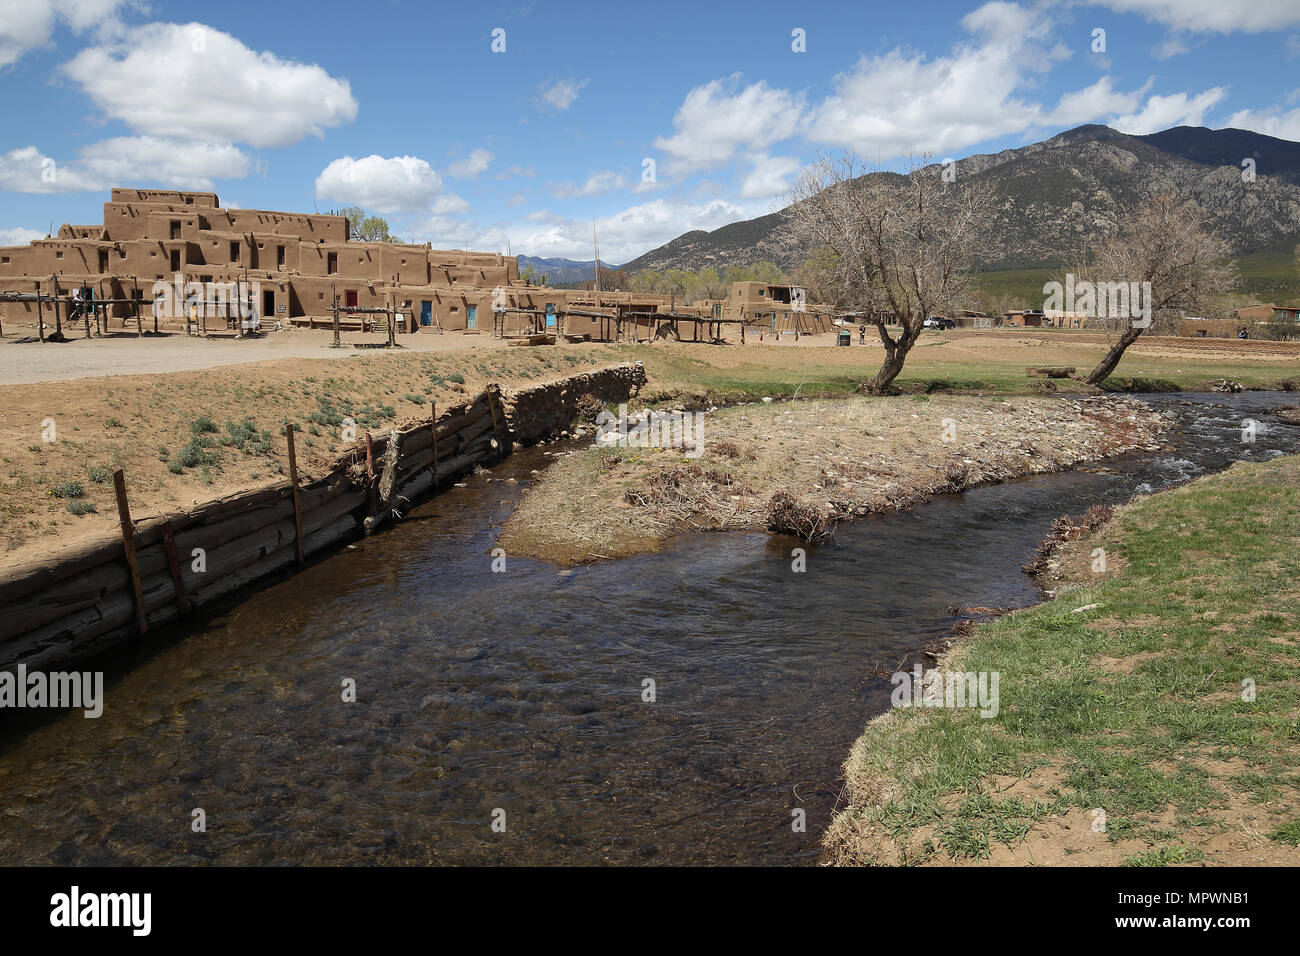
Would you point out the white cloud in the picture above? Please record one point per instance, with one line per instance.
(714, 122)
(27, 25)
(1284, 124)
(560, 94)
(623, 235)
(597, 183)
(196, 83)
(387, 185)
(1213, 16)
(122, 160)
(900, 102)
(1099, 99)
(768, 176)
(19, 236)
(469, 167)
(1162, 112)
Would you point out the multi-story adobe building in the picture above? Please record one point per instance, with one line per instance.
(299, 263)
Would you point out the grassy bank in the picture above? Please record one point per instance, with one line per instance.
(1134, 708)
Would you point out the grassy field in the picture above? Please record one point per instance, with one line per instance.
(1139, 708)
(966, 361)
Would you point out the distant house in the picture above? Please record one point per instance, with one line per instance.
(1256, 313)
(1286, 313)
(1023, 319)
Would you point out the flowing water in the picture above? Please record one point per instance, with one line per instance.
(521, 692)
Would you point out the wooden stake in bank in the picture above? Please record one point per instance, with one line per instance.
(174, 566)
(434, 409)
(128, 546)
(293, 480)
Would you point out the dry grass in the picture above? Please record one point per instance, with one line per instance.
(799, 467)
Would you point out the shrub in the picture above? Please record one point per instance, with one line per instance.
(100, 474)
(81, 507)
(203, 424)
(69, 489)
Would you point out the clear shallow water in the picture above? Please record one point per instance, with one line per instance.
(522, 690)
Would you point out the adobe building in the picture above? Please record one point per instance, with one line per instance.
(298, 263)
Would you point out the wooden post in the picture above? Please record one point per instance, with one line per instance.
(128, 546)
(135, 297)
(293, 480)
(335, 296)
(392, 319)
(58, 317)
(496, 432)
(370, 474)
(40, 313)
(174, 565)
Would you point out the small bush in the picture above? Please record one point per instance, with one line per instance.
(81, 507)
(785, 515)
(203, 425)
(69, 489)
(100, 474)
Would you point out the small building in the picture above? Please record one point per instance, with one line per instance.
(1286, 313)
(1023, 319)
(1256, 313)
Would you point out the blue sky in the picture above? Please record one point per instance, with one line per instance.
(405, 108)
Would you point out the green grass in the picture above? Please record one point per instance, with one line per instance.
(1204, 607)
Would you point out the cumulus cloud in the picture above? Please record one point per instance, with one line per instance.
(560, 94)
(715, 120)
(398, 184)
(597, 183)
(19, 236)
(193, 82)
(768, 176)
(902, 102)
(27, 25)
(1162, 112)
(623, 235)
(1099, 99)
(469, 167)
(1213, 16)
(124, 159)
(1276, 121)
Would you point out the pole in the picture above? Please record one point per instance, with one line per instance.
(293, 480)
(58, 317)
(128, 546)
(40, 312)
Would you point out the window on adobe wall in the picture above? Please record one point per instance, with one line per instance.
(58, 255)
(176, 229)
(4, 259)
(279, 257)
(332, 263)
(234, 252)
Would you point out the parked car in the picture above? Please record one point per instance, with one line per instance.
(938, 322)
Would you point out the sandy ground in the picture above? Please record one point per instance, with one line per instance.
(24, 361)
(834, 459)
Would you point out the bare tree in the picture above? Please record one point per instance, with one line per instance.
(1165, 251)
(900, 244)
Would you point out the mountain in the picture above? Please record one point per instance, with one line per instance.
(1059, 196)
(563, 270)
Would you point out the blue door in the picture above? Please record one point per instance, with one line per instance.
(426, 312)
(550, 315)
(471, 316)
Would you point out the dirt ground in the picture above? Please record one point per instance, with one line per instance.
(191, 436)
(149, 405)
(833, 459)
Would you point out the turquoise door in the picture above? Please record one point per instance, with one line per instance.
(550, 315)
(471, 316)
(426, 312)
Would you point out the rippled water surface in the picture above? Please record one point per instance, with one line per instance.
(522, 690)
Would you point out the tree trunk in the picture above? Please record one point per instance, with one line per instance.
(1107, 365)
(895, 355)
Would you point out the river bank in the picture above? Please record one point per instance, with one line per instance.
(1147, 714)
(800, 467)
